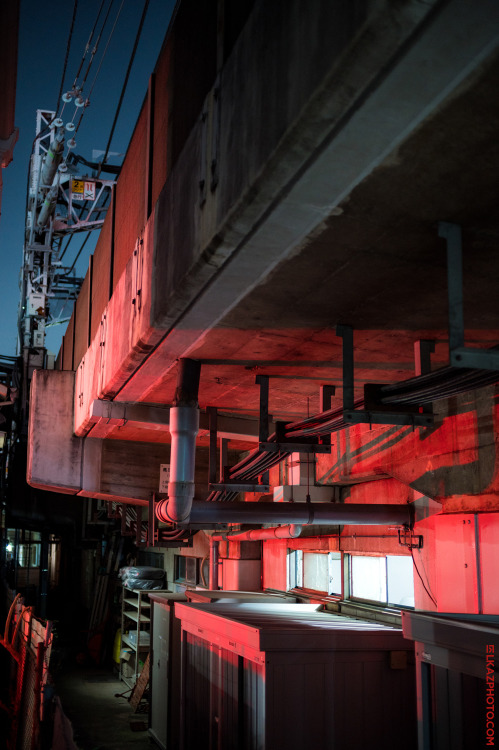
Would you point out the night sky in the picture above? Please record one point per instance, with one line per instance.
(43, 36)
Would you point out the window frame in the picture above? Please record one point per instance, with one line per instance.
(295, 581)
(386, 604)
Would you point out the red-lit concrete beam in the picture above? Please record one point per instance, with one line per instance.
(342, 152)
(107, 415)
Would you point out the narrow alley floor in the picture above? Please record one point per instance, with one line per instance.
(96, 703)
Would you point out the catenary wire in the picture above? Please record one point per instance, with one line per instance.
(68, 48)
(87, 47)
(118, 108)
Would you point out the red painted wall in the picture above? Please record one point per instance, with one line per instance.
(489, 561)
(274, 565)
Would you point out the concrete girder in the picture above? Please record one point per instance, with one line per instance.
(436, 50)
(106, 415)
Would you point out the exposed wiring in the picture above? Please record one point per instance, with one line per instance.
(203, 578)
(88, 44)
(68, 47)
(421, 579)
(104, 53)
(96, 45)
(125, 83)
(117, 112)
(80, 251)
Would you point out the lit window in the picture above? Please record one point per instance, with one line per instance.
(317, 571)
(382, 579)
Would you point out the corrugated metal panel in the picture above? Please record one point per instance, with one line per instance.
(281, 626)
(196, 689)
(253, 705)
(226, 703)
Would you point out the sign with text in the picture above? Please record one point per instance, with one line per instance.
(164, 477)
(83, 190)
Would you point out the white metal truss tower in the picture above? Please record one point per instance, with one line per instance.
(60, 203)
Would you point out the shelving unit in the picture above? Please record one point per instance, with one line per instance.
(135, 633)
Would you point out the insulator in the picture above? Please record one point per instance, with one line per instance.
(67, 97)
(79, 101)
(48, 206)
(53, 158)
(70, 126)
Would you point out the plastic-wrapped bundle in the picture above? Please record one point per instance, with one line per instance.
(143, 578)
(144, 584)
(142, 571)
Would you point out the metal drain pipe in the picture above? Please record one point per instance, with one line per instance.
(256, 535)
(184, 427)
(312, 514)
(214, 542)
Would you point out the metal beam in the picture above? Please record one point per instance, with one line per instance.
(459, 354)
(374, 412)
(110, 414)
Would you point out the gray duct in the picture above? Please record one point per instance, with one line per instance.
(312, 514)
(214, 541)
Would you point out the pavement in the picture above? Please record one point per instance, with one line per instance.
(96, 703)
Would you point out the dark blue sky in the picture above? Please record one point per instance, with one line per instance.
(43, 35)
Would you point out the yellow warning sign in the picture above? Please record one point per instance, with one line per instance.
(83, 190)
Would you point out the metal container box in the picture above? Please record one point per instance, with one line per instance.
(165, 669)
(288, 677)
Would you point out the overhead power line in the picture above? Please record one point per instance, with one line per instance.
(68, 47)
(125, 83)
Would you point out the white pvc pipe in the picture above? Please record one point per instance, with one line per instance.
(278, 532)
(184, 427)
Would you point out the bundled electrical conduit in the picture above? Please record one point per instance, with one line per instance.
(184, 426)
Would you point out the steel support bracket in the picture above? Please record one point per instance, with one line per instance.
(291, 445)
(410, 540)
(459, 354)
(375, 412)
